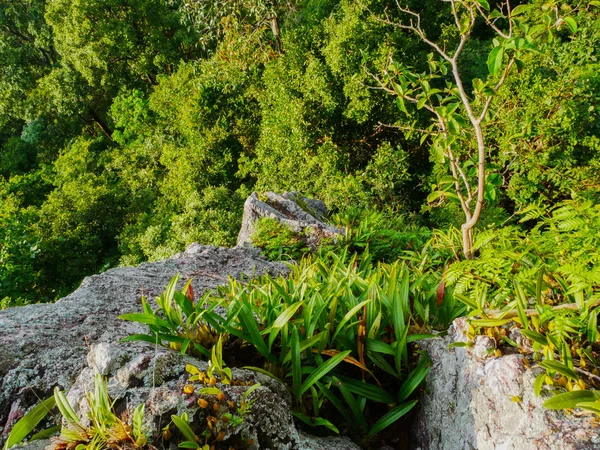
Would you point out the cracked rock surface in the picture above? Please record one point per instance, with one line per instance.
(476, 401)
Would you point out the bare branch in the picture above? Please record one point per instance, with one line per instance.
(463, 177)
(407, 128)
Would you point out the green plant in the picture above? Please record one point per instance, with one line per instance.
(336, 331)
(26, 424)
(384, 237)
(218, 417)
(544, 282)
(106, 429)
(177, 321)
(277, 241)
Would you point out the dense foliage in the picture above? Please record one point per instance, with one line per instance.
(132, 129)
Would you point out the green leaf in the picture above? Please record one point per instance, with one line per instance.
(322, 370)
(535, 337)
(29, 421)
(569, 399)
(46, 434)
(65, 407)
(296, 362)
(494, 61)
(188, 444)
(368, 391)
(421, 102)
(148, 319)
(138, 421)
(594, 3)
(254, 337)
(520, 10)
(141, 337)
(401, 105)
(489, 322)
(484, 4)
(184, 428)
(434, 196)
(373, 345)
(560, 368)
(316, 421)
(592, 327)
(391, 417)
(538, 384)
(415, 378)
(572, 24)
(590, 406)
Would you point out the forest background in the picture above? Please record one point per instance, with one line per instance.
(132, 128)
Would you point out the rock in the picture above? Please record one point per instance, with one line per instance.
(66, 343)
(487, 403)
(300, 214)
(45, 345)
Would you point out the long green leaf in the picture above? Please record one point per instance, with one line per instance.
(560, 368)
(148, 319)
(184, 428)
(65, 407)
(535, 336)
(391, 417)
(254, 336)
(569, 399)
(315, 421)
(296, 364)
(322, 370)
(46, 434)
(415, 378)
(29, 421)
(140, 337)
(368, 391)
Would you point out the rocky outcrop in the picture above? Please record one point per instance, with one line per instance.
(301, 214)
(65, 343)
(474, 401)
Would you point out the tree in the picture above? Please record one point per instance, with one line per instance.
(460, 113)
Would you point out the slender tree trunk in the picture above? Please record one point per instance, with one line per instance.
(98, 120)
(276, 34)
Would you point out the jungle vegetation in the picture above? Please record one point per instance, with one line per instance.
(131, 128)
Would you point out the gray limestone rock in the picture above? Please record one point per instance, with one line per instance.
(300, 214)
(476, 401)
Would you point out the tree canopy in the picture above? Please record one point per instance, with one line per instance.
(131, 128)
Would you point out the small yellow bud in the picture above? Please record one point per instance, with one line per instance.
(202, 403)
(220, 396)
(213, 381)
(188, 389)
(166, 434)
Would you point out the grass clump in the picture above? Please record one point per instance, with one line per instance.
(336, 331)
(277, 241)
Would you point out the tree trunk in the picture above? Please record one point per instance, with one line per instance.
(98, 120)
(275, 28)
